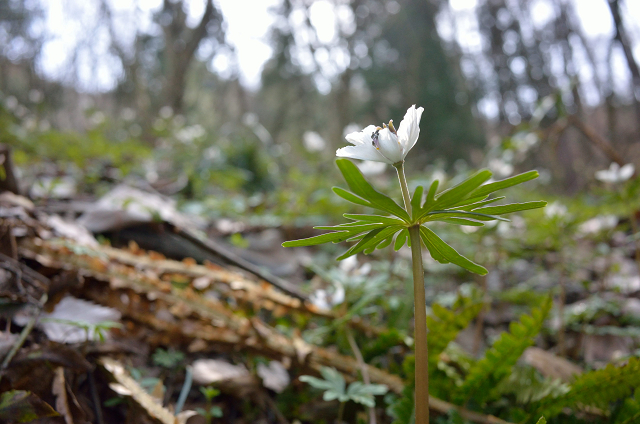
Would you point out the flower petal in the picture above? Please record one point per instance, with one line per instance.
(626, 172)
(361, 137)
(389, 146)
(363, 152)
(409, 128)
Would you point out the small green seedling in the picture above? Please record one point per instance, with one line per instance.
(212, 411)
(335, 387)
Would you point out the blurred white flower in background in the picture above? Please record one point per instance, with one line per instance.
(313, 142)
(500, 167)
(369, 168)
(555, 210)
(597, 224)
(616, 173)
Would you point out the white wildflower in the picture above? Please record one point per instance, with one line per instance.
(385, 144)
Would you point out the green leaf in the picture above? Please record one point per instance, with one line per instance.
(431, 195)
(456, 193)
(333, 381)
(509, 182)
(435, 215)
(475, 202)
(386, 242)
(362, 188)
(416, 200)
(373, 218)
(21, 406)
(460, 221)
(354, 227)
(364, 393)
(443, 253)
(323, 238)
(401, 239)
(512, 207)
(371, 240)
(350, 197)
(542, 421)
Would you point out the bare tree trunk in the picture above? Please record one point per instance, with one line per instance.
(181, 44)
(623, 38)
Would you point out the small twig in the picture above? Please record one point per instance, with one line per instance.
(596, 139)
(95, 397)
(25, 332)
(363, 369)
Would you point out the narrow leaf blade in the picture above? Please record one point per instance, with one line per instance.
(323, 238)
(510, 208)
(509, 182)
(441, 250)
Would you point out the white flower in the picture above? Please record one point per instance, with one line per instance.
(597, 224)
(385, 144)
(313, 142)
(616, 173)
(555, 210)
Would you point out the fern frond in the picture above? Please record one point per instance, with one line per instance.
(445, 324)
(596, 388)
(629, 411)
(402, 408)
(503, 355)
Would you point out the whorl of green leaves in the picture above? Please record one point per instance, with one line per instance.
(596, 388)
(463, 204)
(498, 361)
(445, 324)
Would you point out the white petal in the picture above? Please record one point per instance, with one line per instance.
(606, 176)
(626, 172)
(363, 152)
(361, 137)
(409, 128)
(390, 147)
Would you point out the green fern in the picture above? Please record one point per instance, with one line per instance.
(445, 324)
(629, 411)
(498, 361)
(596, 388)
(529, 386)
(401, 410)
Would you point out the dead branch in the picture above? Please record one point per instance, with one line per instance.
(595, 138)
(139, 295)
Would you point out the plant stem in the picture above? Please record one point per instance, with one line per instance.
(403, 184)
(422, 352)
(420, 302)
(340, 412)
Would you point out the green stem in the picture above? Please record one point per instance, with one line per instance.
(403, 184)
(422, 351)
(340, 412)
(420, 302)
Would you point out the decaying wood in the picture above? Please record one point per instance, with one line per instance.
(142, 286)
(153, 273)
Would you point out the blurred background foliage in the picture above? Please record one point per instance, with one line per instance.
(503, 84)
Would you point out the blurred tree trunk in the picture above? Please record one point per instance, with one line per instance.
(180, 45)
(623, 38)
